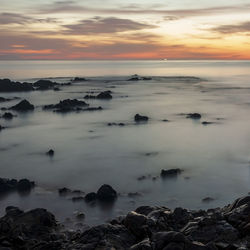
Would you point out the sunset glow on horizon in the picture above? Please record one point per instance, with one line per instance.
(114, 29)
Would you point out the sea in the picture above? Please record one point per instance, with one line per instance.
(215, 158)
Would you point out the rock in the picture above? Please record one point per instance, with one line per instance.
(165, 120)
(50, 153)
(135, 78)
(56, 89)
(7, 85)
(79, 79)
(207, 123)
(161, 240)
(8, 116)
(7, 185)
(194, 116)
(1, 127)
(25, 185)
(136, 224)
(44, 84)
(106, 193)
(90, 197)
(66, 105)
(104, 95)
(92, 109)
(143, 245)
(89, 97)
(139, 118)
(116, 124)
(170, 172)
(24, 105)
(64, 191)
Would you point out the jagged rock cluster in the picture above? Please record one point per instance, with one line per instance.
(146, 228)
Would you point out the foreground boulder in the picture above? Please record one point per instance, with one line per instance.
(6, 85)
(147, 228)
(8, 116)
(140, 118)
(24, 105)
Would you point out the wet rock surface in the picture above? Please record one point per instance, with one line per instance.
(105, 95)
(44, 84)
(147, 228)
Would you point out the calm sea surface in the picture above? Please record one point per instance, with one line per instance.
(88, 153)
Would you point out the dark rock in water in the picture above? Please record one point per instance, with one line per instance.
(106, 193)
(92, 109)
(139, 118)
(64, 191)
(7, 185)
(7, 85)
(116, 124)
(2, 99)
(194, 116)
(80, 216)
(170, 172)
(89, 97)
(104, 95)
(56, 89)
(1, 127)
(66, 105)
(90, 197)
(8, 115)
(135, 78)
(207, 199)
(25, 185)
(24, 105)
(44, 84)
(206, 123)
(51, 152)
(146, 78)
(79, 79)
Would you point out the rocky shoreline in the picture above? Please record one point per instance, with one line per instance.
(146, 228)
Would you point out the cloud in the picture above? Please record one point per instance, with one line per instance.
(100, 25)
(14, 18)
(232, 29)
(73, 7)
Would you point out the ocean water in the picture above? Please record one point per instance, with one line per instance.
(215, 158)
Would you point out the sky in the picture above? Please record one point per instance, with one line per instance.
(123, 30)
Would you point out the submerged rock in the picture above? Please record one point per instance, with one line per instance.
(6, 85)
(207, 123)
(24, 105)
(139, 118)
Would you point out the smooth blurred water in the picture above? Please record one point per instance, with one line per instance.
(88, 153)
